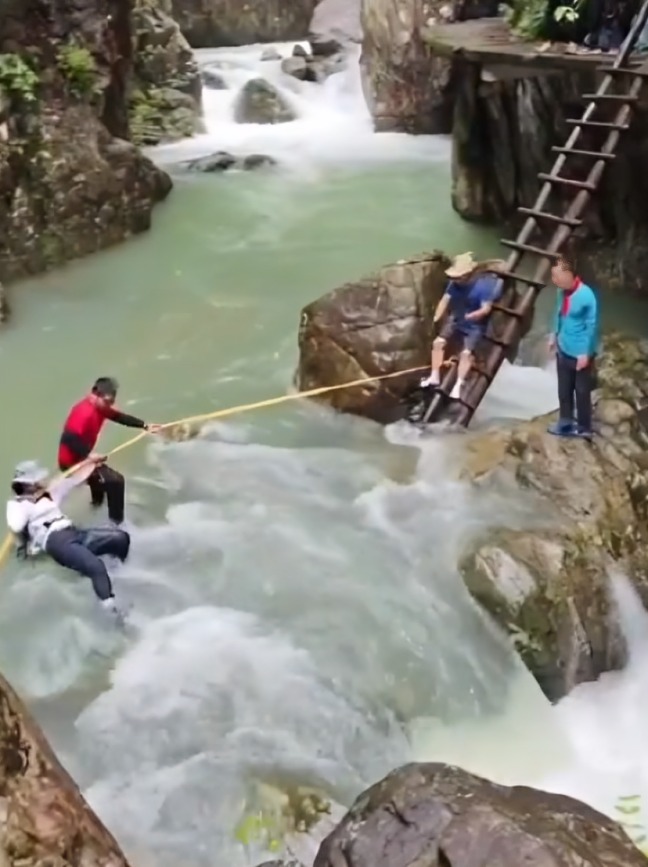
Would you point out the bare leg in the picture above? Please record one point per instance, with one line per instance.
(463, 369)
(438, 352)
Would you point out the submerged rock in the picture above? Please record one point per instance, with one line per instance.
(270, 54)
(407, 88)
(222, 161)
(309, 68)
(260, 102)
(548, 586)
(44, 819)
(165, 103)
(299, 68)
(377, 325)
(434, 815)
(213, 80)
(216, 23)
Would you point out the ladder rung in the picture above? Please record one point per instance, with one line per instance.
(528, 248)
(611, 97)
(567, 182)
(543, 215)
(597, 155)
(600, 124)
(511, 275)
(510, 311)
(623, 70)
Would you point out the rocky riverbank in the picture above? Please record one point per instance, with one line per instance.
(439, 815)
(548, 586)
(77, 87)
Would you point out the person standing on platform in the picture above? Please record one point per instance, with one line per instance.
(574, 339)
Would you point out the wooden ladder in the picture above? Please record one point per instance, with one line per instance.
(538, 218)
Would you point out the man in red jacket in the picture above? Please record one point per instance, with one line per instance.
(80, 434)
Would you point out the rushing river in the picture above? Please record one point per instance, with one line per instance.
(297, 607)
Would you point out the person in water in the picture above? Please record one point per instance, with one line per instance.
(468, 302)
(35, 518)
(574, 339)
(80, 434)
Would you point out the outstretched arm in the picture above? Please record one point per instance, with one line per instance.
(60, 486)
(123, 418)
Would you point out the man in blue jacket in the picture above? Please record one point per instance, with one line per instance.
(574, 339)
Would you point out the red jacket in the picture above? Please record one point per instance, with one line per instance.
(83, 426)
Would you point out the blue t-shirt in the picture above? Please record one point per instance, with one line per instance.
(469, 297)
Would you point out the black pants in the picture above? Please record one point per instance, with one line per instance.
(80, 550)
(106, 483)
(575, 387)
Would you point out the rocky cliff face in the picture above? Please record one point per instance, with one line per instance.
(70, 182)
(549, 586)
(406, 88)
(43, 816)
(165, 96)
(502, 137)
(213, 23)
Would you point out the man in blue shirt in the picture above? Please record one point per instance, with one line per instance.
(574, 338)
(468, 300)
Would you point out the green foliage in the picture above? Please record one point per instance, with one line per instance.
(630, 806)
(527, 17)
(258, 829)
(79, 68)
(17, 77)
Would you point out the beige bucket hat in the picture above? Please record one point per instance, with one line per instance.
(462, 265)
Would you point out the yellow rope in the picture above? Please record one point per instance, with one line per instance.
(234, 410)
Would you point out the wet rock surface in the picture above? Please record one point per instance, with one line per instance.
(332, 58)
(70, 183)
(223, 161)
(374, 326)
(260, 102)
(434, 815)
(549, 586)
(165, 99)
(216, 23)
(44, 819)
(407, 88)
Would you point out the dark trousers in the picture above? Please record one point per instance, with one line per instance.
(80, 551)
(106, 483)
(575, 389)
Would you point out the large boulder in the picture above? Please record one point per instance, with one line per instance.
(84, 192)
(43, 816)
(407, 88)
(377, 326)
(165, 97)
(70, 182)
(214, 23)
(434, 815)
(549, 586)
(260, 102)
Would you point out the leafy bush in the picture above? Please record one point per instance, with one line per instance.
(79, 68)
(17, 77)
